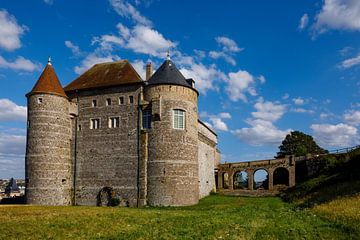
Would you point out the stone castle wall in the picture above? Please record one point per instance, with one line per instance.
(107, 157)
(48, 166)
(207, 157)
(172, 168)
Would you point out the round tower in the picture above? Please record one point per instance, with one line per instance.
(172, 170)
(48, 168)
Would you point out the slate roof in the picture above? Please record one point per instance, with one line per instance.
(105, 75)
(168, 74)
(48, 83)
(12, 187)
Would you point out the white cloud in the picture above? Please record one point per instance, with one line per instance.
(10, 31)
(298, 101)
(260, 133)
(12, 144)
(204, 76)
(238, 84)
(285, 96)
(217, 121)
(339, 135)
(125, 9)
(20, 63)
(225, 56)
(338, 14)
(140, 68)
(218, 124)
(74, 48)
(268, 111)
(302, 110)
(225, 115)
(228, 44)
(352, 117)
(49, 2)
(10, 111)
(348, 63)
(92, 59)
(303, 22)
(262, 79)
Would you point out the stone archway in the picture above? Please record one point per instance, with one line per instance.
(104, 196)
(261, 179)
(281, 176)
(241, 180)
(225, 183)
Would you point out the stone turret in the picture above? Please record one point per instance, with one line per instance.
(48, 166)
(172, 168)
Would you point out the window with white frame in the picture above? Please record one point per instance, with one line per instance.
(114, 122)
(94, 123)
(146, 119)
(178, 119)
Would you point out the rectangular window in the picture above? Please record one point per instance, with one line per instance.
(121, 100)
(131, 99)
(178, 119)
(108, 102)
(40, 100)
(114, 122)
(94, 103)
(146, 119)
(79, 127)
(94, 123)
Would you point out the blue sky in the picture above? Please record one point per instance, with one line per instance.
(263, 68)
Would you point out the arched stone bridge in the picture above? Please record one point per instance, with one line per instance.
(240, 175)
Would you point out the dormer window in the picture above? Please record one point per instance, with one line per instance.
(108, 101)
(178, 119)
(94, 103)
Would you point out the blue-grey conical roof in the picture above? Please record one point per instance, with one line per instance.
(168, 74)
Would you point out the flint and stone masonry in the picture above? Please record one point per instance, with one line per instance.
(88, 142)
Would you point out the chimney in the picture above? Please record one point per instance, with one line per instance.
(149, 71)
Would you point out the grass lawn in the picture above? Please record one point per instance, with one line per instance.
(215, 217)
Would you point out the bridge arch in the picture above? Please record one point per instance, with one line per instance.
(241, 179)
(261, 178)
(281, 176)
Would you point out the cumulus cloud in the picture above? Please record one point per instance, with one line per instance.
(238, 84)
(298, 101)
(10, 111)
(20, 63)
(228, 44)
(217, 120)
(268, 111)
(125, 9)
(339, 135)
(350, 62)
(225, 56)
(74, 48)
(204, 76)
(261, 132)
(352, 117)
(338, 14)
(92, 59)
(10, 31)
(302, 110)
(140, 67)
(303, 22)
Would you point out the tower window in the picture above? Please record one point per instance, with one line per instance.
(79, 127)
(94, 103)
(40, 100)
(146, 119)
(114, 122)
(108, 102)
(121, 100)
(178, 119)
(131, 99)
(94, 123)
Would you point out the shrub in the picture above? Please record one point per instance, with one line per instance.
(114, 202)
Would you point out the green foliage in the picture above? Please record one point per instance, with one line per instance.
(114, 202)
(215, 217)
(299, 144)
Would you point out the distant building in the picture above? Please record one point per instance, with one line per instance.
(111, 134)
(12, 189)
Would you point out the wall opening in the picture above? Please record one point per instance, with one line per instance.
(261, 179)
(241, 180)
(281, 176)
(225, 177)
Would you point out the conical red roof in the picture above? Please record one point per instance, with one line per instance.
(48, 83)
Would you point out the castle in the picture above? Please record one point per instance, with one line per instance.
(110, 134)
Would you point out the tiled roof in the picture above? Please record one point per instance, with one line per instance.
(48, 83)
(105, 75)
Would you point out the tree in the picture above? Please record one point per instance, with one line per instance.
(299, 144)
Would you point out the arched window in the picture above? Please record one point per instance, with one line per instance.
(261, 179)
(178, 119)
